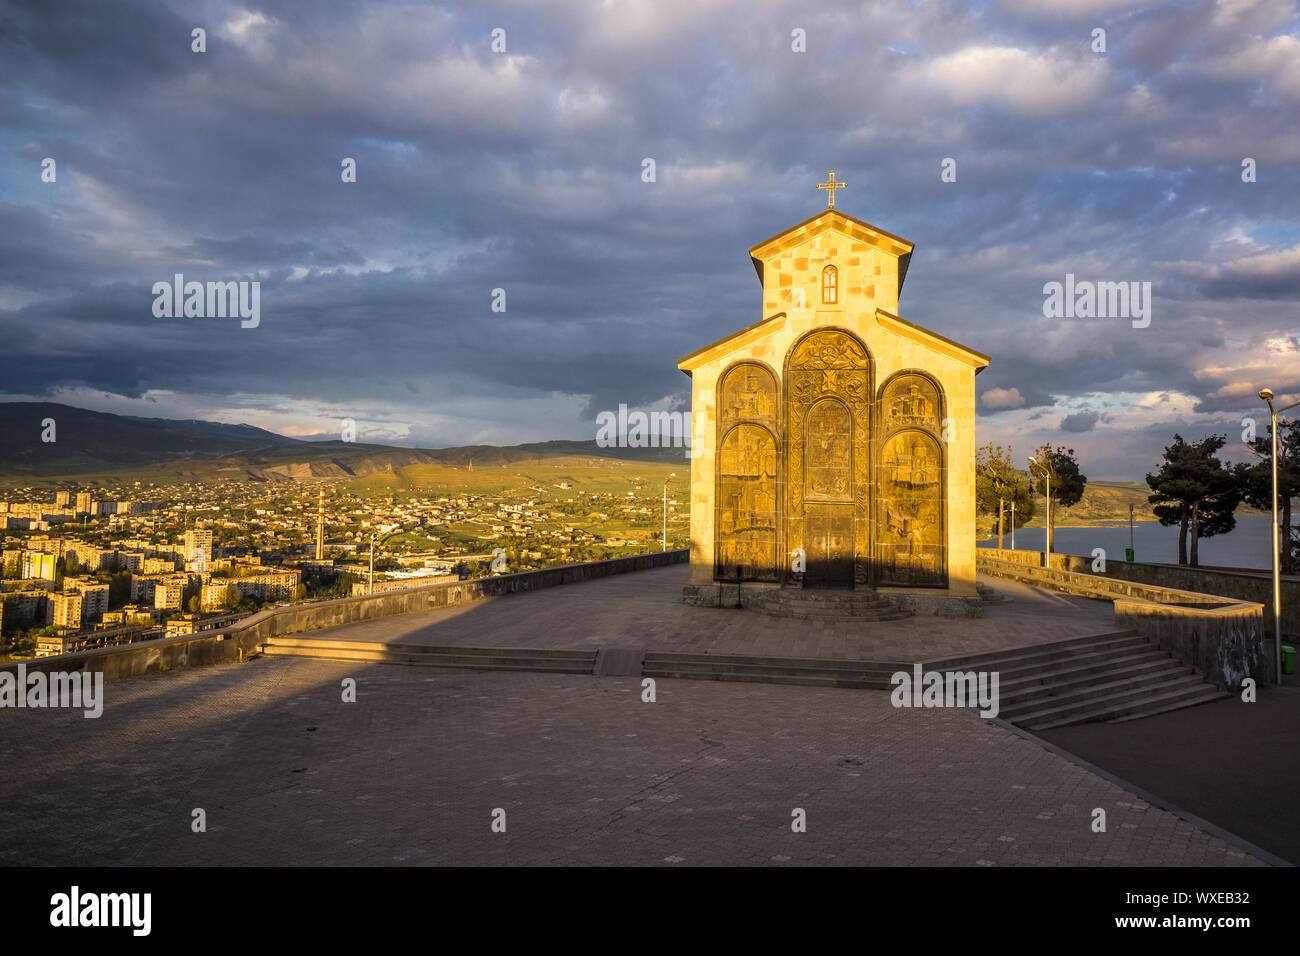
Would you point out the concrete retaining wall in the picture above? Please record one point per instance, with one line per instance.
(246, 637)
(1255, 586)
(1221, 637)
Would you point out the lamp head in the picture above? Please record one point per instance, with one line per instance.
(1266, 394)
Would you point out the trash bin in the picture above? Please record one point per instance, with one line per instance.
(1128, 554)
(1288, 659)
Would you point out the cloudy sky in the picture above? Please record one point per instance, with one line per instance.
(521, 170)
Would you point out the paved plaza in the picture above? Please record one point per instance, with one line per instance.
(587, 773)
(645, 610)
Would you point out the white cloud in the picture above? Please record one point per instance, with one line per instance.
(1274, 61)
(1068, 8)
(1034, 84)
(996, 398)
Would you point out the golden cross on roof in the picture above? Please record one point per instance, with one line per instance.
(830, 186)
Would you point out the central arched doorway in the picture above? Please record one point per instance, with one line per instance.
(828, 391)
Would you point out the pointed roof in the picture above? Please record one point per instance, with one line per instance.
(856, 229)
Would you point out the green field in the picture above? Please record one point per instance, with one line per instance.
(540, 479)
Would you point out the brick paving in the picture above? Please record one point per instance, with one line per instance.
(644, 609)
(586, 773)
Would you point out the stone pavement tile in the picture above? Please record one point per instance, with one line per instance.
(644, 609)
(586, 773)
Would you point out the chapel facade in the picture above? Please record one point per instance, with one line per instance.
(833, 444)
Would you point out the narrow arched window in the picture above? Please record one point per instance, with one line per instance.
(830, 286)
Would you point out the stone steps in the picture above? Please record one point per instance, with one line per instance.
(988, 596)
(1116, 676)
(1189, 696)
(1066, 677)
(1067, 701)
(1039, 653)
(817, 604)
(812, 672)
(1110, 677)
(469, 658)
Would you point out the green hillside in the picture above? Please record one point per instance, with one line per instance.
(544, 479)
(1107, 502)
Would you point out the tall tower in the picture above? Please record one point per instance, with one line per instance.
(320, 526)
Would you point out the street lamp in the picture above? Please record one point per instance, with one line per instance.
(1267, 395)
(371, 588)
(666, 480)
(1047, 543)
(1013, 524)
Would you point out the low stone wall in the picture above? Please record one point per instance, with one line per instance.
(1224, 644)
(245, 637)
(1244, 585)
(1221, 637)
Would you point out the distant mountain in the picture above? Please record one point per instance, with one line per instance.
(99, 445)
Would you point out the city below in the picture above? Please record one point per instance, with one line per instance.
(141, 560)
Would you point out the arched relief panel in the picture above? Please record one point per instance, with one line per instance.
(911, 533)
(911, 400)
(747, 393)
(746, 529)
(828, 452)
(746, 504)
(828, 392)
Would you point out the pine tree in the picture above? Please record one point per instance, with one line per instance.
(1195, 491)
(1257, 481)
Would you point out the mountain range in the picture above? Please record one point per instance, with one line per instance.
(102, 445)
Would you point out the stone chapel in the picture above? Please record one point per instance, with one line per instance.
(833, 444)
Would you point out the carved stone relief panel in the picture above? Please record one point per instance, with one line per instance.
(910, 401)
(746, 506)
(827, 419)
(910, 535)
(748, 393)
(828, 452)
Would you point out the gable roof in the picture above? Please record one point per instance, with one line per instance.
(941, 343)
(856, 229)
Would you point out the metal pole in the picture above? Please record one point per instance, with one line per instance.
(664, 546)
(371, 588)
(1047, 562)
(1013, 524)
(1277, 565)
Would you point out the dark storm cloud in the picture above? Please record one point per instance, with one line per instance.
(1080, 422)
(522, 172)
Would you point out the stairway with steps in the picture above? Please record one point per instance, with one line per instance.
(809, 672)
(1108, 677)
(472, 658)
(828, 604)
(1111, 677)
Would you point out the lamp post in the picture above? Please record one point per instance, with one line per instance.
(371, 588)
(666, 480)
(1267, 395)
(1047, 542)
(1013, 524)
